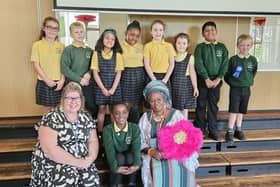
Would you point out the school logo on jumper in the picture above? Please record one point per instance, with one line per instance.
(250, 66)
(58, 51)
(219, 53)
(88, 54)
(128, 140)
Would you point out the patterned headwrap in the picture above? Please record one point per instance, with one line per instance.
(158, 86)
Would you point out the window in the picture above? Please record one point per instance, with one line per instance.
(267, 43)
(92, 28)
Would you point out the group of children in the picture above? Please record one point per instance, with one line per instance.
(116, 72)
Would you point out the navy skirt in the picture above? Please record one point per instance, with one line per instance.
(47, 96)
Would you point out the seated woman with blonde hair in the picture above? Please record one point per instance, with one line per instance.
(68, 145)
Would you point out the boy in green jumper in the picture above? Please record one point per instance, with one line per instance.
(121, 141)
(211, 63)
(240, 77)
(75, 65)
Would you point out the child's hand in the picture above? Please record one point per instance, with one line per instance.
(84, 82)
(123, 170)
(209, 83)
(50, 83)
(59, 84)
(111, 91)
(132, 169)
(86, 76)
(105, 92)
(165, 80)
(195, 92)
(216, 82)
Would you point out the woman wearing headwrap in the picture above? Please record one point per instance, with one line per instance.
(157, 171)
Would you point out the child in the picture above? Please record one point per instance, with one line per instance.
(159, 55)
(211, 62)
(75, 65)
(183, 79)
(133, 76)
(46, 55)
(107, 66)
(240, 77)
(122, 146)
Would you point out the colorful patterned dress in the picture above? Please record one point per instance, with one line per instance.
(164, 173)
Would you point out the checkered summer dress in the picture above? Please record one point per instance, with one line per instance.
(182, 89)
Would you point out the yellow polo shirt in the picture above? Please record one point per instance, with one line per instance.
(107, 56)
(159, 54)
(117, 129)
(48, 55)
(132, 55)
(181, 57)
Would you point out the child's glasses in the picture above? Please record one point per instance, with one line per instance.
(52, 28)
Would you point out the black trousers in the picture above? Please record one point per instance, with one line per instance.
(123, 159)
(207, 102)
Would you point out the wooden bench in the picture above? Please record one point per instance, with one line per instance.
(17, 145)
(253, 162)
(14, 171)
(267, 180)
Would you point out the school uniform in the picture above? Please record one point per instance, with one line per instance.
(75, 62)
(133, 77)
(240, 77)
(159, 54)
(107, 65)
(122, 148)
(182, 89)
(211, 62)
(48, 55)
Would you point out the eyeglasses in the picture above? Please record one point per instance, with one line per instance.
(52, 28)
(72, 99)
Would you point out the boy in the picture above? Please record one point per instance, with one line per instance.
(211, 62)
(240, 77)
(121, 141)
(75, 64)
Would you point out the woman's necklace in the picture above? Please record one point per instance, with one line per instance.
(159, 119)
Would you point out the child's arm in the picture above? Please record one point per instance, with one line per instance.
(99, 83)
(223, 68)
(116, 82)
(194, 80)
(148, 68)
(169, 70)
(42, 74)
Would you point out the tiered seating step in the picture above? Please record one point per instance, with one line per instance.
(17, 145)
(16, 170)
(212, 165)
(253, 162)
(268, 139)
(266, 180)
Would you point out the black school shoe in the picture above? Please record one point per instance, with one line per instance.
(214, 135)
(239, 135)
(229, 136)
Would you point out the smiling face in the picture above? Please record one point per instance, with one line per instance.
(109, 40)
(210, 33)
(132, 36)
(72, 102)
(181, 45)
(51, 30)
(244, 46)
(157, 31)
(120, 115)
(157, 102)
(77, 33)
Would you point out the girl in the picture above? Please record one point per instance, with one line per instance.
(107, 66)
(121, 141)
(159, 55)
(46, 54)
(183, 80)
(133, 76)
